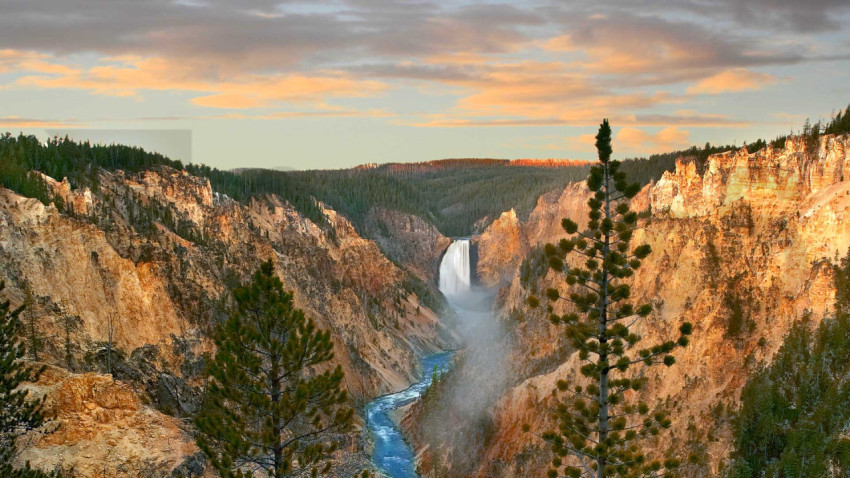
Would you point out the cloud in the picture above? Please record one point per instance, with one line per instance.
(807, 17)
(732, 81)
(470, 29)
(773, 15)
(132, 76)
(584, 142)
(639, 141)
(683, 118)
(528, 92)
(796, 118)
(228, 36)
(633, 141)
(20, 122)
(336, 113)
(655, 51)
(13, 122)
(536, 63)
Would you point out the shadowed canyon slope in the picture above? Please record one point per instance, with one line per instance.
(154, 253)
(743, 246)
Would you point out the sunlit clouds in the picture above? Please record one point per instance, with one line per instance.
(667, 74)
(133, 76)
(732, 81)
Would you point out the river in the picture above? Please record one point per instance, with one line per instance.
(392, 455)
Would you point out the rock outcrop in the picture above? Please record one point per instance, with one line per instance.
(501, 248)
(100, 428)
(743, 247)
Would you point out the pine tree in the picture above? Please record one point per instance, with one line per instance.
(18, 413)
(267, 409)
(598, 428)
(69, 324)
(33, 335)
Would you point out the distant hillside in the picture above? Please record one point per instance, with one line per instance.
(452, 194)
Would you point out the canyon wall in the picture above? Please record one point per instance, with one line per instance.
(743, 247)
(408, 240)
(149, 258)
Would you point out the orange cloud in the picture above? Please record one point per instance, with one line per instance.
(606, 59)
(13, 122)
(615, 51)
(131, 76)
(256, 92)
(731, 81)
(457, 58)
(332, 113)
(535, 93)
(640, 141)
(228, 101)
(560, 44)
(584, 142)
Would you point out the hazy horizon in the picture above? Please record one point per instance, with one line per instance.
(307, 85)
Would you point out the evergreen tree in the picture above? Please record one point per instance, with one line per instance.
(598, 429)
(69, 324)
(267, 409)
(33, 335)
(18, 413)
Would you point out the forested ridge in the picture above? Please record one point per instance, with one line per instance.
(451, 194)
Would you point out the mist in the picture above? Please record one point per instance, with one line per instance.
(456, 415)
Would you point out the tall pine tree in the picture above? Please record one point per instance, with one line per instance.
(598, 428)
(267, 409)
(18, 413)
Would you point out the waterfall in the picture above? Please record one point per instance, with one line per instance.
(454, 269)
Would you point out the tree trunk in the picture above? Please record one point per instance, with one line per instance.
(277, 430)
(601, 461)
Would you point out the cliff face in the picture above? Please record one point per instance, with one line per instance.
(154, 255)
(501, 248)
(742, 248)
(102, 429)
(408, 240)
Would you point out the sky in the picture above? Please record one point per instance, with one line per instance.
(306, 85)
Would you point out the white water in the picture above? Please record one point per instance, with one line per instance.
(454, 269)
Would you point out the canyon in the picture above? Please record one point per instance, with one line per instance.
(144, 264)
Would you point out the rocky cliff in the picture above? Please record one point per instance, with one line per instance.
(148, 260)
(408, 240)
(100, 428)
(742, 248)
(501, 248)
